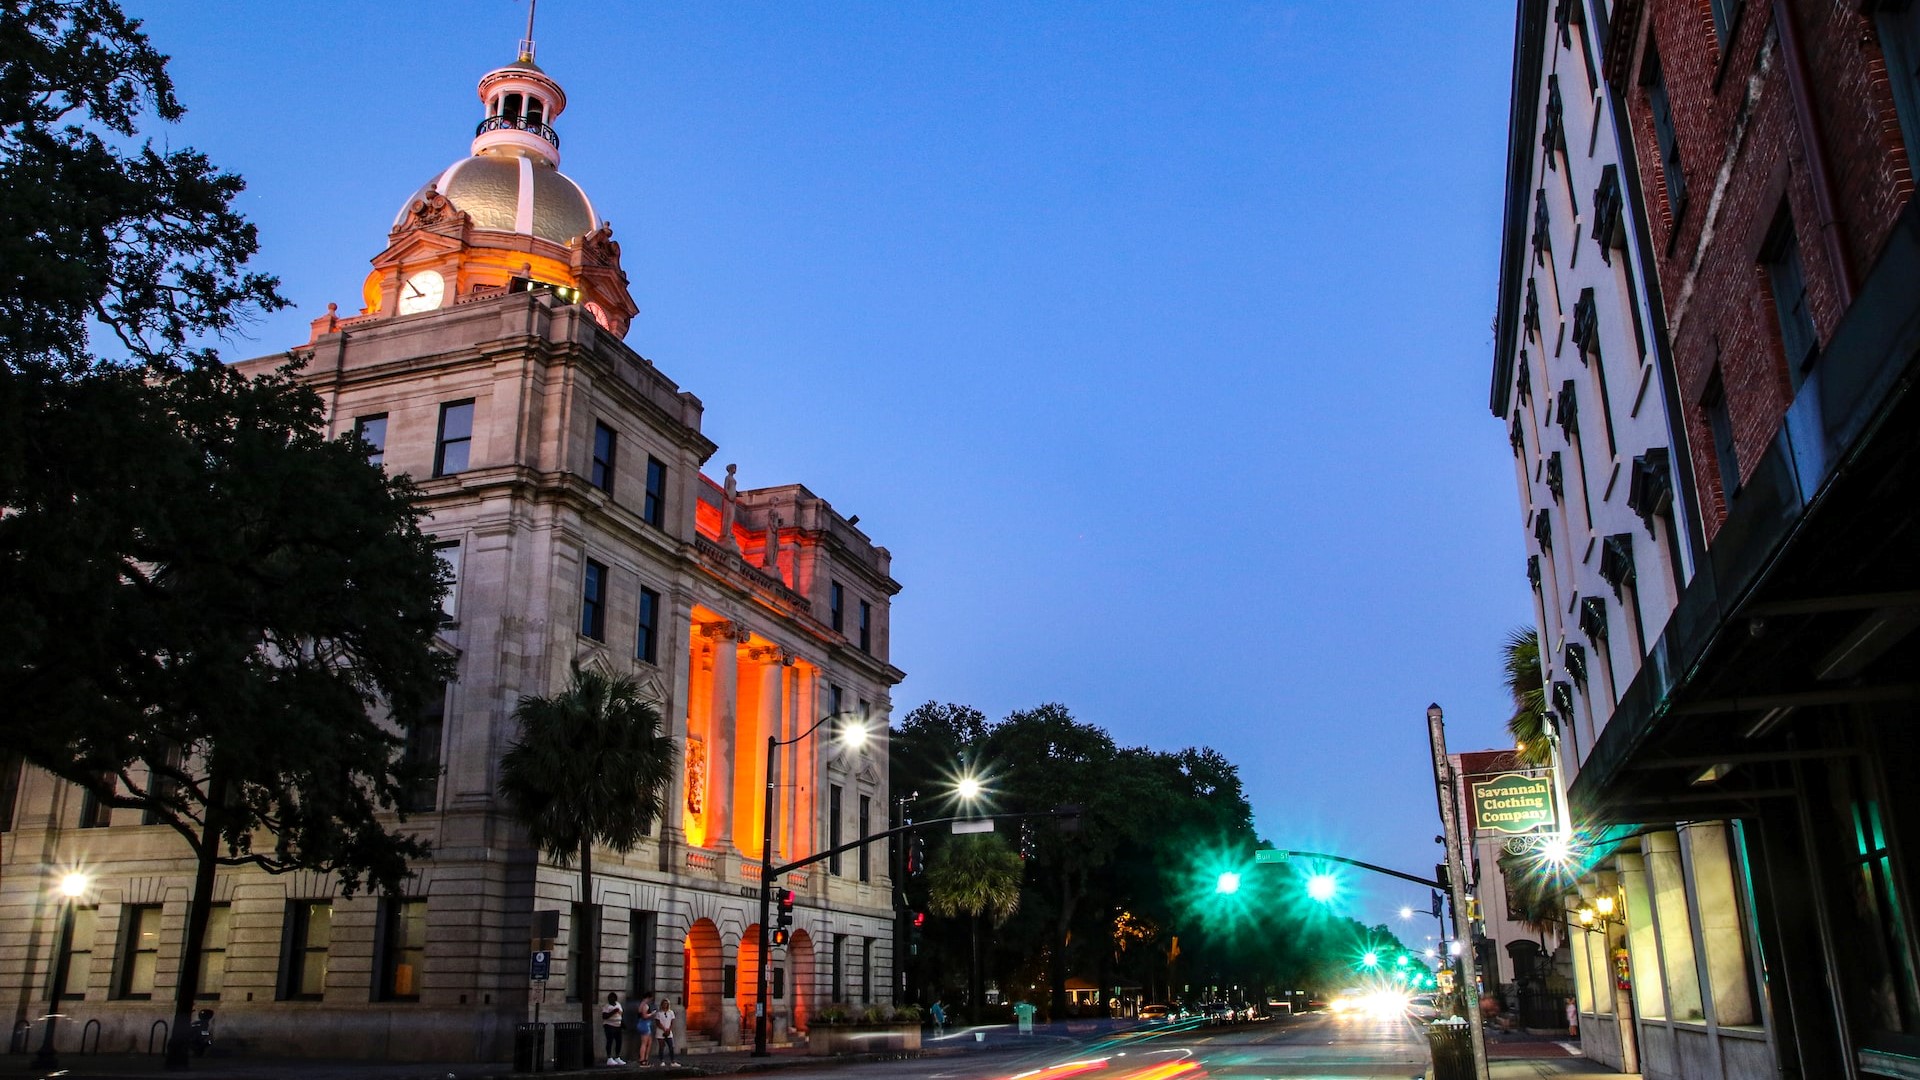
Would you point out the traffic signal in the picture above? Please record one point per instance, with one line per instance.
(913, 938)
(916, 856)
(780, 938)
(783, 901)
(1440, 875)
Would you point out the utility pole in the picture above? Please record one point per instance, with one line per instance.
(1443, 783)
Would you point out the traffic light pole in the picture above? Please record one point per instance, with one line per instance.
(769, 873)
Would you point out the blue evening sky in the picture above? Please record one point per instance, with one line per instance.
(1152, 339)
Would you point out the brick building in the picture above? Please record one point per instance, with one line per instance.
(1774, 145)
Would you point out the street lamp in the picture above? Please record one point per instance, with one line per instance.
(851, 735)
(72, 887)
(1228, 883)
(968, 789)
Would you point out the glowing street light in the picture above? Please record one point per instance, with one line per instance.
(968, 788)
(73, 885)
(1370, 958)
(1406, 913)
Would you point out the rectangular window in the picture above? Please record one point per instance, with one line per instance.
(74, 968)
(866, 971)
(866, 863)
(1721, 422)
(95, 812)
(403, 952)
(11, 763)
(576, 948)
(604, 441)
(654, 510)
(836, 607)
(593, 602)
(449, 555)
(213, 952)
(139, 950)
(835, 703)
(866, 627)
(837, 991)
(1899, 25)
(646, 641)
(422, 752)
(833, 828)
(1725, 12)
(1662, 109)
(641, 929)
(307, 936)
(372, 430)
(451, 446)
(1789, 287)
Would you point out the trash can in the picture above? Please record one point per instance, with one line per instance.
(1452, 1049)
(570, 1047)
(530, 1048)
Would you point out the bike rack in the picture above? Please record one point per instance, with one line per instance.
(92, 1028)
(22, 1034)
(161, 1027)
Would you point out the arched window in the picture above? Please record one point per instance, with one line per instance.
(533, 110)
(512, 106)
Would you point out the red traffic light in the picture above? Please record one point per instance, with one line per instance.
(919, 919)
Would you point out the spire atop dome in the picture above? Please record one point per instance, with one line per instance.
(526, 43)
(521, 102)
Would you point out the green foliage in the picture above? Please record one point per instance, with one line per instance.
(203, 600)
(1530, 725)
(975, 875)
(591, 766)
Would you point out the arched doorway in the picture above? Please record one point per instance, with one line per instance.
(800, 976)
(702, 954)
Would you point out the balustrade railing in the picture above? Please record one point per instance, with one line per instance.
(518, 123)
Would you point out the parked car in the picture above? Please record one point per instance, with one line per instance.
(1156, 1014)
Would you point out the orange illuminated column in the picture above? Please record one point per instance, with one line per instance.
(756, 723)
(698, 776)
(721, 752)
(796, 777)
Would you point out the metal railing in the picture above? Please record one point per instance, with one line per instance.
(518, 123)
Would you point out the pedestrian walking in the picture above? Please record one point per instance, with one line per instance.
(643, 1028)
(613, 1027)
(939, 1019)
(663, 1019)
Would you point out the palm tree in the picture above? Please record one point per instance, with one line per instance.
(591, 766)
(976, 875)
(1530, 726)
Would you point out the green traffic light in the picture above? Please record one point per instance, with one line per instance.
(1402, 961)
(1371, 959)
(1321, 887)
(1228, 883)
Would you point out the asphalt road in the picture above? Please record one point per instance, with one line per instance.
(1316, 1046)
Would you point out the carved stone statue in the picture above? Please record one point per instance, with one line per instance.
(772, 564)
(729, 495)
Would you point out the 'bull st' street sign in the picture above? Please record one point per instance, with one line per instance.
(1513, 803)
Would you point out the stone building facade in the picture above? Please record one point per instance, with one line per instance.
(1584, 382)
(1770, 145)
(562, 473)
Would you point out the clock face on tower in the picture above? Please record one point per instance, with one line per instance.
(422, 292)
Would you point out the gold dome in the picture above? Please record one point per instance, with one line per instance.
(513, 195)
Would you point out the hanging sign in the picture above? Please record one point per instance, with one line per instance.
(1513, 803)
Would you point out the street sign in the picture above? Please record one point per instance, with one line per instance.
(980, 825)
(1270, 855)
(1513, 803)
(541, 967)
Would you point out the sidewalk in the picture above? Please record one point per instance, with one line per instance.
(722, 1063)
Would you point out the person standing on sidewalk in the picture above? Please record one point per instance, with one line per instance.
(939, 1019)
(643, 1027)
(663, 1019)
(613, 1026)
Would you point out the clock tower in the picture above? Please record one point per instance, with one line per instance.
(504, 219)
